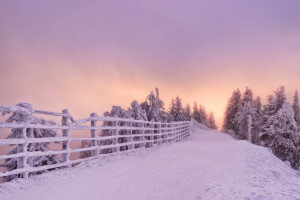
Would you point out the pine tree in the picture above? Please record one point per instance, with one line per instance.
(257, 104)
(296, 108)
(172, 109)
(230, 113)
(154, 107)
(187, 112)
(279, 127)
(12, 163)
(245, 115)
(196, 114)
(177, 110)
(257, 120)
(117, 112)
(136, 112)
(202, 115)
(211, 121)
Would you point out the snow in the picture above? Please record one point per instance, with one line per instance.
(208, 165)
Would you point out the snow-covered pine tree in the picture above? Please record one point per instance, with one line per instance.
(246, 114)
(12, 163)
(145, 106)
(154, 107)
(230, 112)
(137, 113)
(279, 127)
(187, 112)
(172, 109)
(296, 108)
(257, 120)
(177, 110)
(196, 114)
(211, 121)
(118, 112)
(257, 104)
(202, 115)
(165, 116)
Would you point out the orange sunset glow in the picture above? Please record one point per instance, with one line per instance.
(113, 53)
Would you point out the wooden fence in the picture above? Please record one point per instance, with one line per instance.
(121, 135)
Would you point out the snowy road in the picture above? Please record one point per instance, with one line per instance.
(209, 165)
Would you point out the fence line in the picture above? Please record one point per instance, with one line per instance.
(117, 134)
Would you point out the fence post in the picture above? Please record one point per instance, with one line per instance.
(181, 131)
(27, 118)
(94, 135)
(115, 140)
(171, 133)
(152, 134)
(66, 134)
(158, 134)
(24, 149)
(143, 137)
(249, 127)
(130, 139)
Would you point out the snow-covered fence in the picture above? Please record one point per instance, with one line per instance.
(107, 135)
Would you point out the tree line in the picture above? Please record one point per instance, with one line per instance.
(153, 109)
(275, 125)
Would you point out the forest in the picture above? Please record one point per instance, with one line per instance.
(274, 125)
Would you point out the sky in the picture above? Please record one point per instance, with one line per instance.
(89, 55)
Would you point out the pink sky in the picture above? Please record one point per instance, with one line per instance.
(90, 55)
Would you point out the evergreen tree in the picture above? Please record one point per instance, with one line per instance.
(187, 112)
(230, 112)
(296, 108)
(154, 107)
(202, 115)
(136, 112)
(279, 127)
(117, 112)
(211, 121)
(172, 109)
(177, 110)
(257, 104)
(12, 163)
(245, 115)
(196, 114)
(257, 120)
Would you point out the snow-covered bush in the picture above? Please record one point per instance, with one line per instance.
(18, 117)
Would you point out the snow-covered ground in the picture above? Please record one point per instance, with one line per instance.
(209, 165)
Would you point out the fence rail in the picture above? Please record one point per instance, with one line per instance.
(111, 136)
